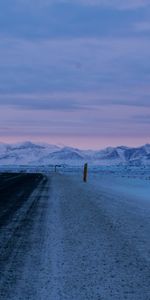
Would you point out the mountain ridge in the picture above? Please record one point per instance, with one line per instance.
(43, 153)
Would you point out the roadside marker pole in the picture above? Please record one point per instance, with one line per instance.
(57, 166)
(85, 172)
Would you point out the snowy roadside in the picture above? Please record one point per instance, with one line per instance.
(126, 202)
(106, 244)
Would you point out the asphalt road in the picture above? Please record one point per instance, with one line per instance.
(62, 240)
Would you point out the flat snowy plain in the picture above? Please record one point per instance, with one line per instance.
(70, 240)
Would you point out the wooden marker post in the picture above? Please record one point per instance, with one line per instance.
(57, 166)
(85, 172)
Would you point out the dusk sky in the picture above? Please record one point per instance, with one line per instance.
(75, 72)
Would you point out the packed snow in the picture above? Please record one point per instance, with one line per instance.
(79, 241)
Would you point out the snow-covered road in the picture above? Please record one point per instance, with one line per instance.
(75, 241)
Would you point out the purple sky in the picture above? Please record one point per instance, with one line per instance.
(75, 72)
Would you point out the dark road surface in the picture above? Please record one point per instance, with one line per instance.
(62, 240)
(19, 196)
(14, 190)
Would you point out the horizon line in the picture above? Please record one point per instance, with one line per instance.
(61, 145)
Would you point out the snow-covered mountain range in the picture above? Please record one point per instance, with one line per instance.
(28, 153)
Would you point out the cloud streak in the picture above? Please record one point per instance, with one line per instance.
(117, 4)
(75, 69)
(73, 64)
(142, 26)
(72, 101)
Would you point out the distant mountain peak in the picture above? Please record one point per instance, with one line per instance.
(42, 153)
